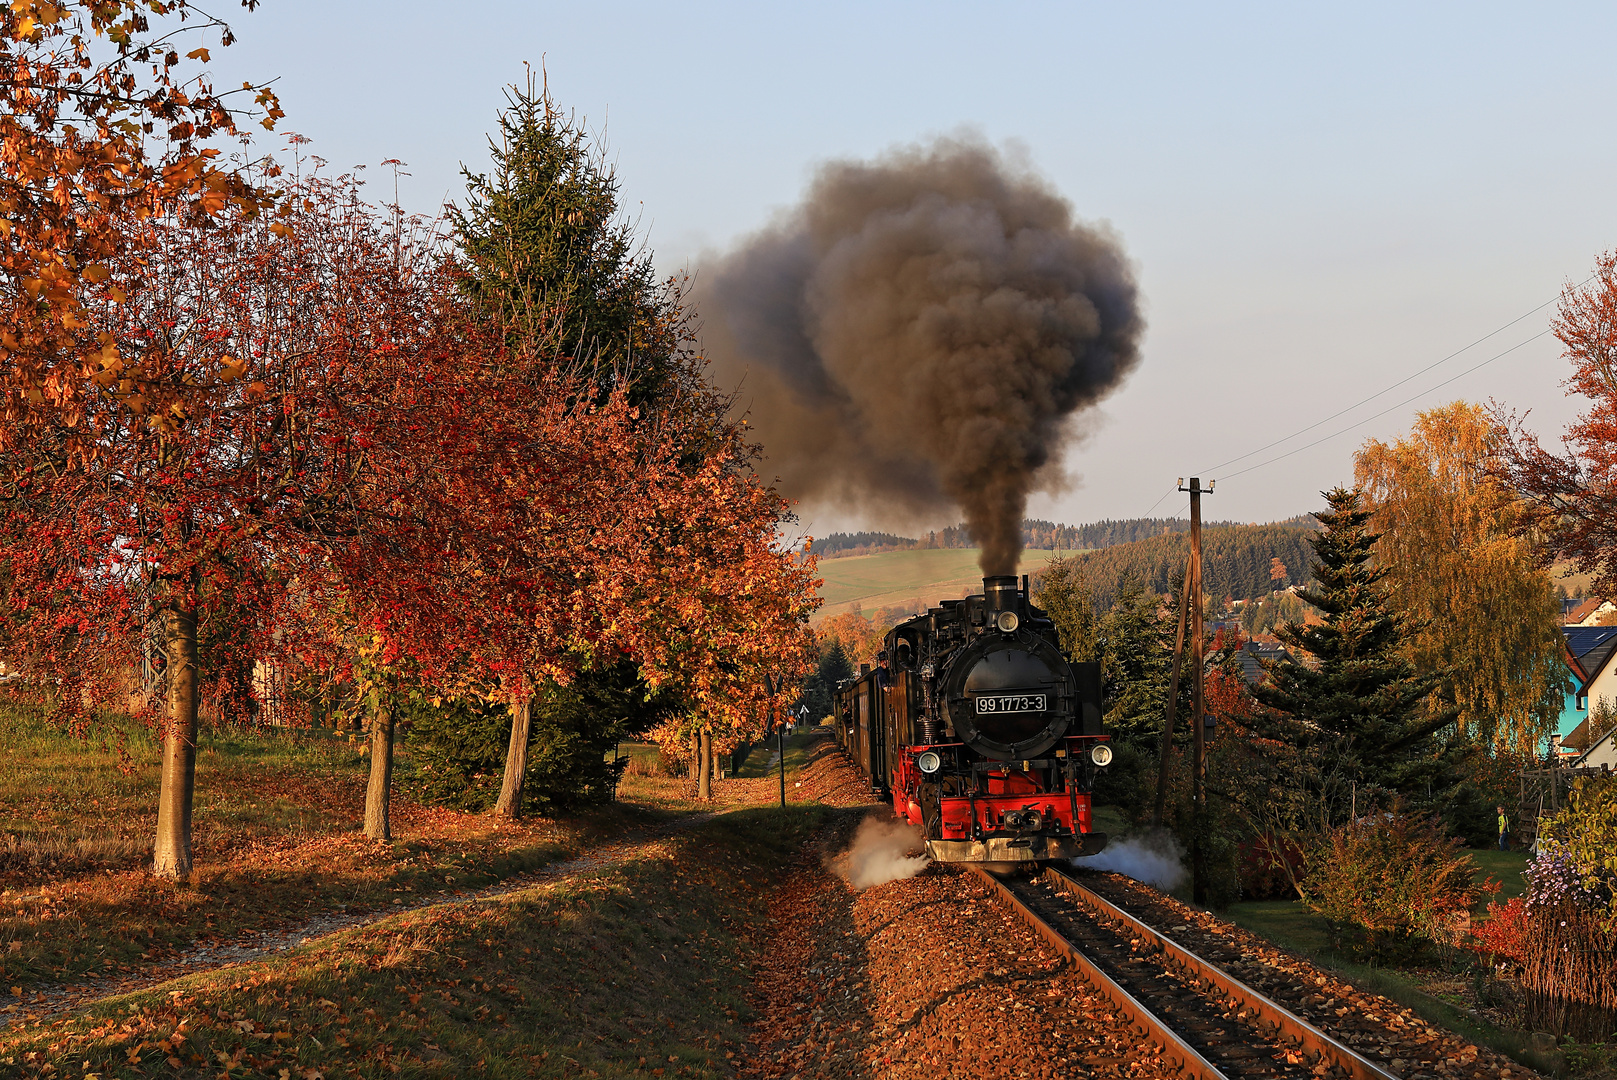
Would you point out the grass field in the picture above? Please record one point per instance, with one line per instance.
(636, 964)
(918, 576)
(640, 968)
(276, 836)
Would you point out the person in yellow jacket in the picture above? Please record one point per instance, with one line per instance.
(1504, 830)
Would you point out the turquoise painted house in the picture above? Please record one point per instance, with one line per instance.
(1588, 650)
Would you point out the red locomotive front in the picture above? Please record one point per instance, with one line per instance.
(981, 731)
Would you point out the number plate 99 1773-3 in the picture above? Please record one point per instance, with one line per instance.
(1010, 703)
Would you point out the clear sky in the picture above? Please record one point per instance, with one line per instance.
(1318, 201)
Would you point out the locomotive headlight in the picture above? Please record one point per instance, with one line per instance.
(1007, 622)
(1101, 755)
(929, 762)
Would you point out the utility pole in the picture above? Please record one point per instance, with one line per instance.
(1198, 790)
(1173, 703)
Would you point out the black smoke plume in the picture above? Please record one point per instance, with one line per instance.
(917, 335)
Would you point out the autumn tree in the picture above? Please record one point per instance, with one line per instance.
(1357, 714)
(1476, 606)
(102, 124)
(247, 418)
(858, 637)
(547, 258)
(1571, 498)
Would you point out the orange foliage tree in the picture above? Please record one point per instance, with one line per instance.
(860, 637)
(721, 603)
(85, 173)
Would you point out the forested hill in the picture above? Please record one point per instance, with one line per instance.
(1237, 561)
(1038, 534)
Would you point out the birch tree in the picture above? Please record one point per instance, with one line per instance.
(1477, 608)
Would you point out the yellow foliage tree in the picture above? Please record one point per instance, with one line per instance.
(861, 638)
(1479, 607)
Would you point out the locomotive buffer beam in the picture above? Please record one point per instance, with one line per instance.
(1035, 847)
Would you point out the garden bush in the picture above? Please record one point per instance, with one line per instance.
(1562, 936)
(1579, 847)
(1505, 933)
(1390, 883)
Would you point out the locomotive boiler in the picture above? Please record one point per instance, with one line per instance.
(980, 730)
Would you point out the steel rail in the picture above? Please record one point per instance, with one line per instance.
(1146, 1022)
(1287, 1023)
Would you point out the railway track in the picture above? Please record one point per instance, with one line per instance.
(1214, 1026)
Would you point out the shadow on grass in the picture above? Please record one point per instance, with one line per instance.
(639, 968)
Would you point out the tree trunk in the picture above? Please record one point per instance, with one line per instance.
(704, 755)
(379, 793)
(516, 754)
(172, 851)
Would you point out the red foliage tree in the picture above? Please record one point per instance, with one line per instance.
(273, 407)
(1573, 496)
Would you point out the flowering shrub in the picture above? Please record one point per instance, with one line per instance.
(1554, 877)
(1390, 882)
(1581, 843)
(1562, 937)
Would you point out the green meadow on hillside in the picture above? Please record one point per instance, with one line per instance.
(921, 575)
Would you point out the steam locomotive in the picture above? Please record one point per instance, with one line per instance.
(980, 730)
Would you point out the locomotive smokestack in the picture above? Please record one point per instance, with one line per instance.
(1000, 591)
(917, 336)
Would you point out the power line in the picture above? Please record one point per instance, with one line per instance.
(1383, 412)
(1386, 389)
(1158, 503)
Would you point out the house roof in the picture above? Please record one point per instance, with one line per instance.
(1578, 736)
(1591, 648)
(1574, 609)
(1585, 610)
(1582, 640)
(1609, 741)
(1252, 655)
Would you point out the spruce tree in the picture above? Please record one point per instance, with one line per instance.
(1067, 597)
(1357, 710)
(1136, 652)
(548, 254)
(548, 257)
